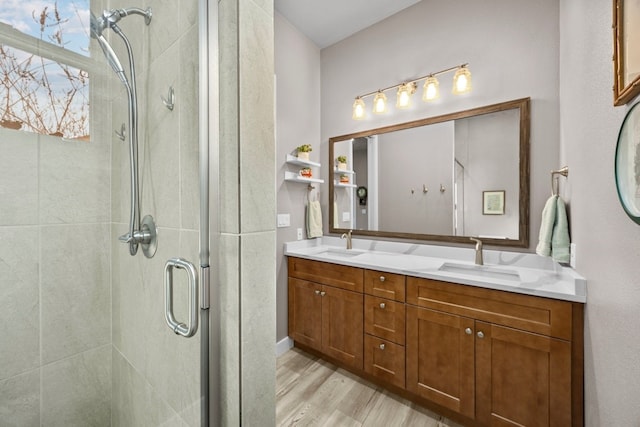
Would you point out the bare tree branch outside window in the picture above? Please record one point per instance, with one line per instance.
(43, 96)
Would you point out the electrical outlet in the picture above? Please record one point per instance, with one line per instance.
(346, 216)
(299, 233)
(572, 256)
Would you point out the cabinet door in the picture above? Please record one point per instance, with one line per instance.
(522, 379)
(440, 358)
(342, 326)
(305, 312)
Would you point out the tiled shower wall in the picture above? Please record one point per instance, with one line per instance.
(55, 297)
(155, 372)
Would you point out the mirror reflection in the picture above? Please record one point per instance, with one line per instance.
(444, 178)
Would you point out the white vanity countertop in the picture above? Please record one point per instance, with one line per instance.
(523, 273)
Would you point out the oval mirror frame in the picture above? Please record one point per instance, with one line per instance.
(627, 164)
(523, 104)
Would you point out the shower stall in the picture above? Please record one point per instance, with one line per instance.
(85, 340)
(97, 332)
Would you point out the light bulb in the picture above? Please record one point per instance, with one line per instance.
(404, 96)
(462, 81)
(380, 103)
(431, 89)
(358, 109)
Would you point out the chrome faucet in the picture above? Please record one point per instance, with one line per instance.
(479, 260)
(348, 237)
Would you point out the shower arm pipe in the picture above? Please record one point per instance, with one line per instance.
(135, 235)
(136, 11)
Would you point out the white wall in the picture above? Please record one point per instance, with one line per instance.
(297, 65)
(608, 243)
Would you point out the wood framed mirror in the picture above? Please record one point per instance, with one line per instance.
(428, 179)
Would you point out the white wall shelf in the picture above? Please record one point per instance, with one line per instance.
(295, 177)
(343, 172)
(293, 160)
(343, 185)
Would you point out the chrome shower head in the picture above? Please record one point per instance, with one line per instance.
(110, 17)
(97, 26)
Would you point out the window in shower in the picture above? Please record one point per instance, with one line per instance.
(43, 86)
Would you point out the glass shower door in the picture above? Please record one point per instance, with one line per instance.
(85, 341)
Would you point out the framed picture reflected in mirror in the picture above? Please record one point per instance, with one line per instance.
(493, 202)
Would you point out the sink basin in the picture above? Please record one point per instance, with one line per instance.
(340, 253)
(480, 271)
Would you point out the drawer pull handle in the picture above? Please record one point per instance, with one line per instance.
(317, 292)
(480, 334)
(382, 279)
(468, 331)
(382, 305)
(381, 346)
(323, 293)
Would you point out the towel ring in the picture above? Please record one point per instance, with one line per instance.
(564, 171)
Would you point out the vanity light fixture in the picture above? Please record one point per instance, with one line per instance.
(461, 84)
(380, 103)
(358, 109)
(431, 89)
(404, 94)
(462, 81)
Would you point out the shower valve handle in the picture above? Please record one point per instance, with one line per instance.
(125, 238)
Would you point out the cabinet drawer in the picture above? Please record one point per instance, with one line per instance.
(384, 285)
(534, 314)
(384, 360)
(340, 276)
(384, 318)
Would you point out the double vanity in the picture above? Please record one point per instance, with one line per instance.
(493, 344)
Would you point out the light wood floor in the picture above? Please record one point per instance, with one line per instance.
(312, 392)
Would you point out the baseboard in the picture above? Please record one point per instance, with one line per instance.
(283, 346)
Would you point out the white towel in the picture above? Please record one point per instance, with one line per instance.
(314, 220)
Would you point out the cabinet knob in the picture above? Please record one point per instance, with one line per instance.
(382, 279)
(323, 293)
(317, 292)
(480, 334)
(381, 346)
(382, 305)
(468, 331)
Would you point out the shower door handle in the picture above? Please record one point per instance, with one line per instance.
(186, 330)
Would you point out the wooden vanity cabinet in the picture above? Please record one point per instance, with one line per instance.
(323, 317)
(495, 358)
